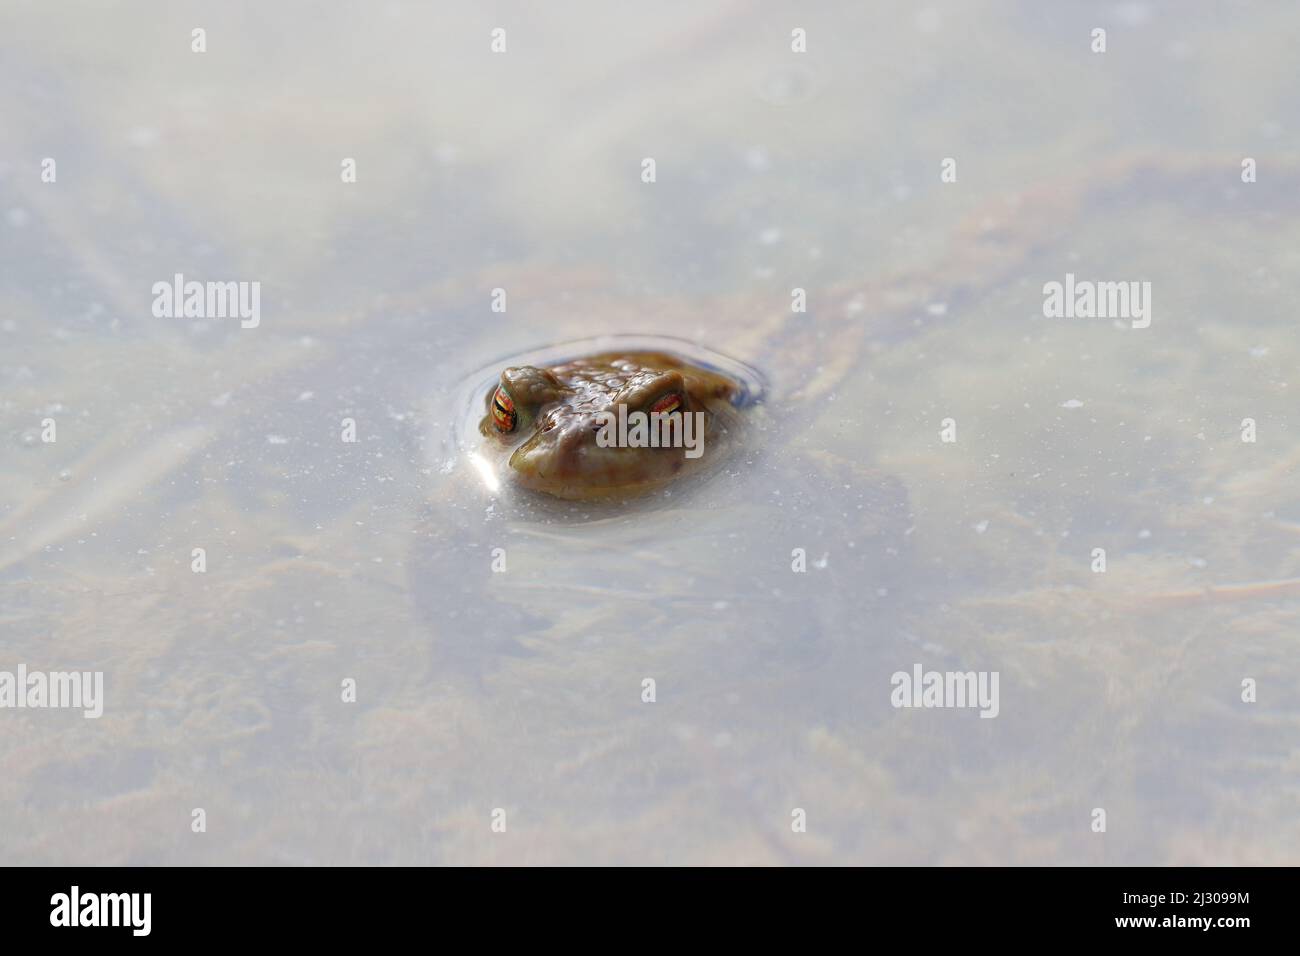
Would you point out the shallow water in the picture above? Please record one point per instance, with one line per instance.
(522, 690)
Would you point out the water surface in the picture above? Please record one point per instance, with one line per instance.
(372, 561)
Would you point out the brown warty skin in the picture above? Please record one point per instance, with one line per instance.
(546, 419)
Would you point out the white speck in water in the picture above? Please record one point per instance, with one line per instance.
(65, 474)
(1259, 351)
(1144, 534)
(17, 217)
(937, 308)
(306, 396)
(1072, 403)
(982, 526)
(770, 236)
(276, 440)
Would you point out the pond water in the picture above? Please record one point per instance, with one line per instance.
(499, 643)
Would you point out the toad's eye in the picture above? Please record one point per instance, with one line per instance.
(503, 411)
(672, 402)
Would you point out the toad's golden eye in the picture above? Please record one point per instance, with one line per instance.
(503, 411)
(670, 403)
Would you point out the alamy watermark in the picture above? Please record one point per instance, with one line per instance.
(82, 690)
(665, 428)
(179, 299)
(1085, 299)
(946, 689)
(76, 908)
